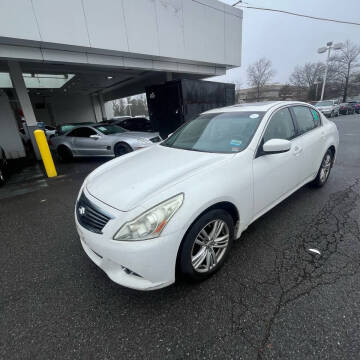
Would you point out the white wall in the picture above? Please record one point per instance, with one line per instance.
(198, 31)
(72, 108)
(10, 139)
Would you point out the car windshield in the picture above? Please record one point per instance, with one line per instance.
(324, 103)
(227, 132)
(110, 129)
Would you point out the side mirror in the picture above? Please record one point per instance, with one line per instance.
(276, 146)
(95, 137)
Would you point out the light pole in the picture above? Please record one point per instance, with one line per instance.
(328, 48)
(129, 106)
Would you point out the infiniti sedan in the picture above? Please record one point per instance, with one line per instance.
(179, 205)
(100, 139)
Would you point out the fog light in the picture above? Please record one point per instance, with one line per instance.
(129, 272)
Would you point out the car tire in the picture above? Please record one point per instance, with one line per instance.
(332, 114)
(324, 170)
(202, 253)
(122, 149)
(2, 177)
(64, 154)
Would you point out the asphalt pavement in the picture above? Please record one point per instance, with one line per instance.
(272, 299)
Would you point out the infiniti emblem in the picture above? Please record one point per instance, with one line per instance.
(81, 210)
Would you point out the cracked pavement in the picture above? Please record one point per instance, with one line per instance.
(272, 299)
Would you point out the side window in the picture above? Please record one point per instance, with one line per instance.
(73, 133)
(280, 126)
(316, 117)
(82, 132)
(304, 119)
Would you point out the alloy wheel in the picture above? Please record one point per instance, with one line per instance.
(210, 246)
(325, 168)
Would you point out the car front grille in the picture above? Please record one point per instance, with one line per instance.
(90, 216)
(155, 139)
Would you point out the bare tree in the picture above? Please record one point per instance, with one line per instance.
(118, 107)
(259, 74)
(346, 61)
(307, 75)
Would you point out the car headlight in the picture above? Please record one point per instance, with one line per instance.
(150, 224)
(144, 140)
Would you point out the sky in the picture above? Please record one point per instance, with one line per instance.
(288, 40)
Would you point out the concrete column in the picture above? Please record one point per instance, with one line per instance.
(102, 106)
(25, 103)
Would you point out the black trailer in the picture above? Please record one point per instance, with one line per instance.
(175, 102)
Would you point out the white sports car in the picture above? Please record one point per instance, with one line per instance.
(181, 203)
(101, 139)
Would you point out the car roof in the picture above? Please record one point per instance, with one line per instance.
(256, 106)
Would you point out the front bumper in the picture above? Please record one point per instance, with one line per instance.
(141, 265)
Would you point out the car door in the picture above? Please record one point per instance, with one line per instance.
(85, 145)
(312, 136)
(275, 175)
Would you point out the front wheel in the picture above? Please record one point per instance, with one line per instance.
(207, 244)
(121, 149)
(324, 171)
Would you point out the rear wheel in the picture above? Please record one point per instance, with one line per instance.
(207, 244)
(324, 171)
(122, 149)
(64, 153)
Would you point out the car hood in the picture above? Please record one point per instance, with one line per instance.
(128, 181)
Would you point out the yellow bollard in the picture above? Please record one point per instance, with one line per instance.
(45, 153)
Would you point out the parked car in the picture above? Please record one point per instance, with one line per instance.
(100, 139)
(329, 108)
(3, 166)
(346, 109)
(181, 203)
(49, 132)
(63, 128)
(355, 105)
(136, 123)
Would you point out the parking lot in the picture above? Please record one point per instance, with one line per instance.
(273, 298)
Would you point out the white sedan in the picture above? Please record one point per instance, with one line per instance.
(180, 204)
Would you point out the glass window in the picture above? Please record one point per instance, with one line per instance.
(110, 129)
(281, 126)
(316, 116)
(227, 132)
(304, 118)
(82, 132)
